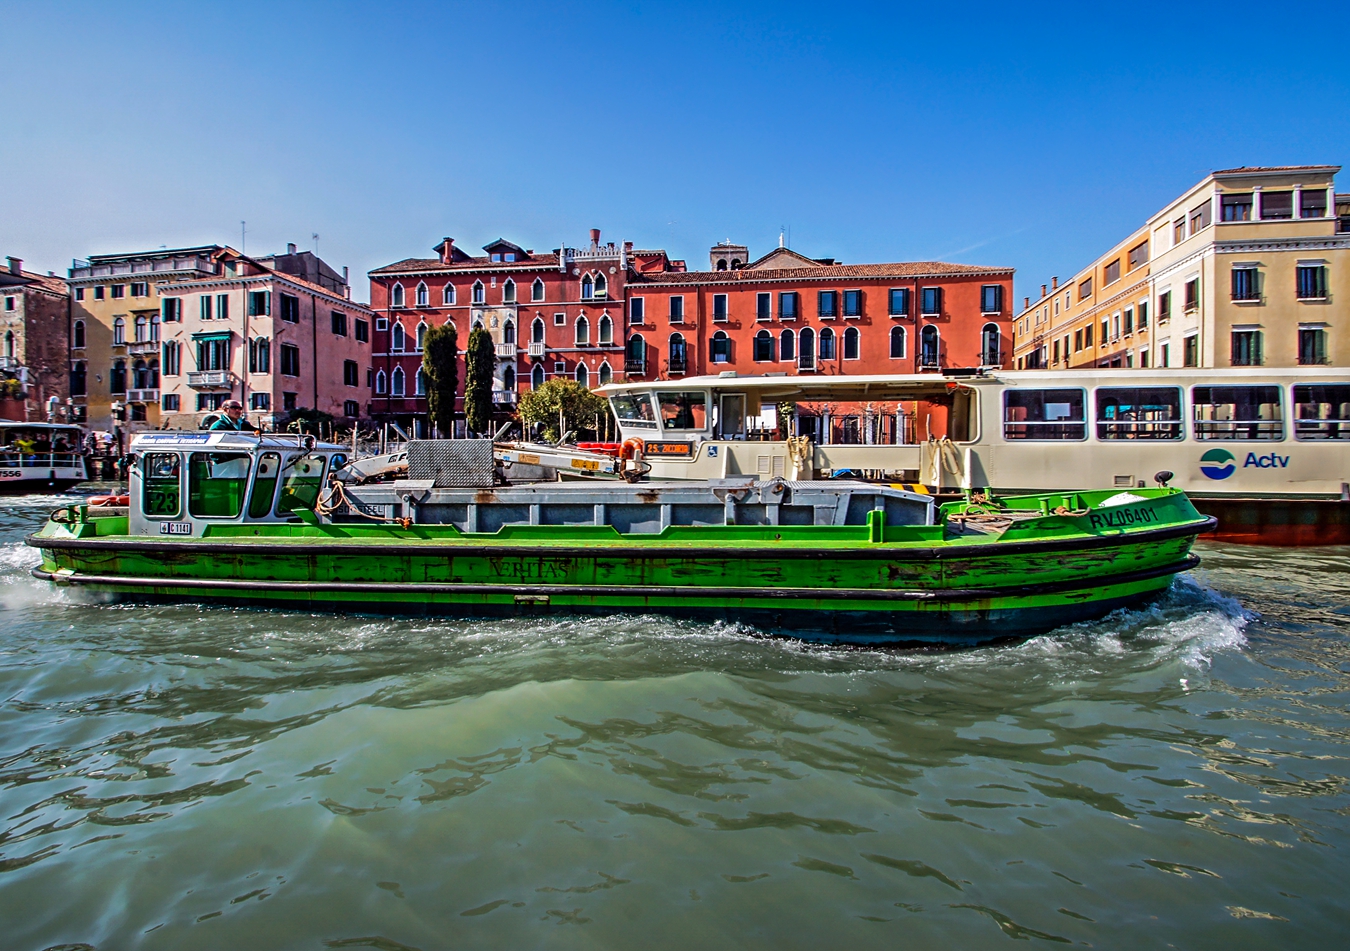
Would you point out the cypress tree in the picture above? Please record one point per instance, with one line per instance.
(480, 360)
(439, 355)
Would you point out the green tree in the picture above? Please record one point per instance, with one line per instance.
(561, 402)
(439, 355)
(480, 359)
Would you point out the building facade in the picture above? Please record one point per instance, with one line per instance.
(1243, 269)
(35, 335)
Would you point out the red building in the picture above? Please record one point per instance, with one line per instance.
(607, 311)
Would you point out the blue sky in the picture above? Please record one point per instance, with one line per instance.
(1031, 136)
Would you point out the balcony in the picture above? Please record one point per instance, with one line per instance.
(210, 379)
(143, 347)
(806, 363)
(635, 366)
(537, 348)
(677, 365)
(504, 397)
(143, 396)
(506, 350)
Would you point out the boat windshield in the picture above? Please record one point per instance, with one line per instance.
(634, 409)
(264, 485)
(216, 484)
(300, 490)
(684, 410)
(161, 484)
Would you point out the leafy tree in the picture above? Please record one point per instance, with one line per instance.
(480, 361)
(439, 355)
(313, 421)
(561, 402)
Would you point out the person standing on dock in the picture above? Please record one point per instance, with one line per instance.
(232, 418)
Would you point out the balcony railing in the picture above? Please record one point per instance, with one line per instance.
(507, 397)
(806, 363)
(143, 346)
(635, 366)
(210, 379)
(677, 364)
(143, 396)
(506, 349)
(537, 348)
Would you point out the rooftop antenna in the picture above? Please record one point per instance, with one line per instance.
(243, 240)
(315, 236)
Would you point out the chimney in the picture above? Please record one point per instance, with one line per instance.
(344, 275)
(1054, 283)
(446, 249)
(1042, 290)
(1026, 303)
(290, 248)
(15, 265)
(595, 237)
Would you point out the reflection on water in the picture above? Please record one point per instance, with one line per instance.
(188, 777)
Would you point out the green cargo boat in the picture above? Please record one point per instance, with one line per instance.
(236, 519)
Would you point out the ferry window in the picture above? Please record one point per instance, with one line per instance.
(1322, 411)
(1138, 412)
(264, 485)
(1237, 412)
(161, 486)
(634, 409)
(216, 484)
(300, 489)
(683, 410)
(1044, 414)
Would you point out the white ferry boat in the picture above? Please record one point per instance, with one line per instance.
(1264, 450)
(40, 457)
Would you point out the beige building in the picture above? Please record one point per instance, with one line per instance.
(1243, 269)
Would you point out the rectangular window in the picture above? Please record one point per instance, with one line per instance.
(930, 301)
(763, 303)
(1236, 207)
(210, 401)
(1321, 411)
(1165, 305)
(827, 305)
(787, 305)
(853, 303)
(1178, 231)
(1044, 414)
(899, 302)
(1143, 314)
(1237, 412)
(9, 303)
(1077, 340)
(1106, 331)
(637, 310)
(362, 331)
(160, 480)
(339, 322)
(1246, 350)
(290, 309)
(1085, 289)
(1312, 346)
(1165, 355)
(216, 483)
(1201, 217)
(207, 306)
(289, 364)
(991, 299)
(1244, 284)
(1193, 294)
(560, 320)
(1138, 412)
(170, 358)
(1139, 254)
(79, 293)
(720, 308)
(171, 309)
(677, 309)
(1312, 282)
(683, 410)
(1143, 359)
(1277, 205)
(289, 401)
(351, 409)
(1055, 353)
(1087, 336)
(222, 307)
(1111, 273)
(351, 374)
(260, 401)
(259, 303)
(1312, 204)
(1190, 351)
(98, 292)
(140, 289)
(119, 291)
(170, 402)
(1128, 321)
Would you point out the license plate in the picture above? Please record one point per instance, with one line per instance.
(175, 528)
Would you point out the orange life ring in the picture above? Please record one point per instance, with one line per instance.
(630, 448)
(109, 500)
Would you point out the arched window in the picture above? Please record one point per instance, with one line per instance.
(763, 346)
(897, 343)
(806, 359)
(398, 381)
(118, 378)
(991, 351)
(448, 295)
(509, 379)
(396, 296)
(119, 332)
(537, 330)
(606, 374)
(142, 328)
(583, 331)
(587, 288)
(735, 264)
(9, 343)
(421, 383)
(721, 265)
(477, 324)
(509, 332)
(421, 334)
(154, 327)
(719, 349)
(678, 353)
(929, 346)
(787, 346)
(583, 375)
(601, 286)
(154, 374)
(478, 292)
(259, 355)
(635, 355)
(606, 330)
(397, 338)
(851, 343)
(78, 335)
(140, 375)
(537, 290)
(827, 344)
(380, 383)
(537, 376)
(422, 296)
(509, 292)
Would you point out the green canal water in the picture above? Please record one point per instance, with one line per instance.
(188, 777)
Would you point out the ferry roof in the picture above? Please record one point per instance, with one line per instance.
(20, 424)
(224, 438)
(880, 386)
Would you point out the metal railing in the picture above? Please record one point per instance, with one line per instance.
(143, 346)
(12, 458)
(503, 396)
(143, 395)
(209, 378)
(635, 365)
(677, 364)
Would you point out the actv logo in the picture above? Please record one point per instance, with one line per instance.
(1220, 463)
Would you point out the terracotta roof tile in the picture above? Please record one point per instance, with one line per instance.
(907, 269)
(1278, 168)
(547, 261)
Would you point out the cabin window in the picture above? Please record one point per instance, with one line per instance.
(634, 409)
(161, 485)
(1322, 411)
(264, 485)
(216, 484)
(1138, 412)
(688, 410)
(1044, 414)
(300, 490)
(1237, 412)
